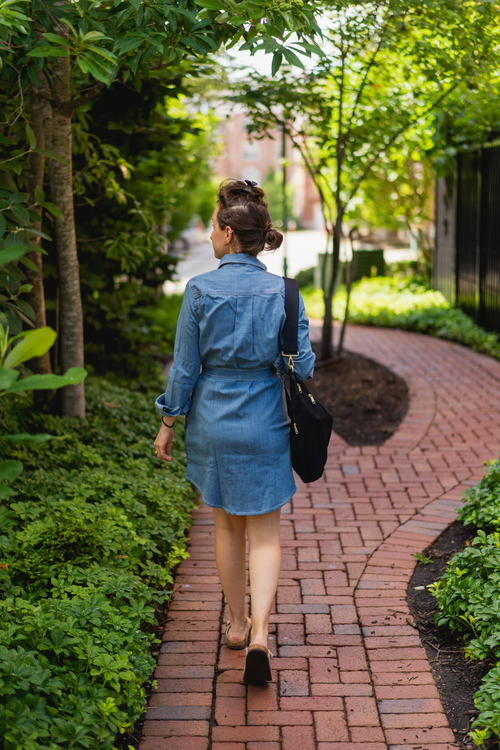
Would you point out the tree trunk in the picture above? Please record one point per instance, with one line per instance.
(61, 190)
(327, 332)
(348, 284)
(40, 122)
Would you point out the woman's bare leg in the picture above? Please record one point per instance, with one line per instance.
(264, 563)
(230, 559)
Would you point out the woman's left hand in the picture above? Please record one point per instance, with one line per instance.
(163, 443)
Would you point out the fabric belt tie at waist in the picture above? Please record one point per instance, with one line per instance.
(233, 373)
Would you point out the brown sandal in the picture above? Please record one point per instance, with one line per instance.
(242, 643)
(257, 664)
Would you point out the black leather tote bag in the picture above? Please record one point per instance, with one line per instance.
(310, 423)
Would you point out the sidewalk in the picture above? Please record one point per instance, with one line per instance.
(351, 673)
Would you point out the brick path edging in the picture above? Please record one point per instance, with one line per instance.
(352, 673)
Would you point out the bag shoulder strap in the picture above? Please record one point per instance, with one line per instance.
(290, 332)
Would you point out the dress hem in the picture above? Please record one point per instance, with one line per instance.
(221, 507)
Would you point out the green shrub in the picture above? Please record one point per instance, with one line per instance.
(414, 270)
(467, 596)
(305, 277)
(482, 507)
(487, 700)
(87, 546)
(408, 304)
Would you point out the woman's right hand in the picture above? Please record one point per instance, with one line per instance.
(163, 443)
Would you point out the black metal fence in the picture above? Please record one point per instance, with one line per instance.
(467, 252)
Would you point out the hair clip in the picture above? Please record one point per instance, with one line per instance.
(247, 188)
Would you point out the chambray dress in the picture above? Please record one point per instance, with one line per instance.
(226, 378)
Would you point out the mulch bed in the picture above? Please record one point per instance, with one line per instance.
(367, 400)
(456, 679)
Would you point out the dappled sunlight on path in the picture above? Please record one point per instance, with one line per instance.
(351, 672)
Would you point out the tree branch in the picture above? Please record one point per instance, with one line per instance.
(361, 87)
(394, 137)
(88, 94)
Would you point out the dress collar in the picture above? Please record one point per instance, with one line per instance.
(242, 258)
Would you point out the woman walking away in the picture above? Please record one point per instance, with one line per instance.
(227, 379)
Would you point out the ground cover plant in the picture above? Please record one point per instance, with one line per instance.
(467, 596)
(88, 542)
(404, 303)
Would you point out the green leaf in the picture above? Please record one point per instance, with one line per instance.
(50, 154)
(277, 60)
(15, 198)
(30, 135)
(129, 42)
(292, 58)
(211, 4)
(28, 263)
(106, 54)
(95, 35)
(52, 209)
(44, 50)
(9, 470)
(94, 66)
(5, 491)
(56, 38)
(34, 344)
(37, 233)
(12, 253)
(21, 213)
(7, 377)
(26, 437)
(73, 376)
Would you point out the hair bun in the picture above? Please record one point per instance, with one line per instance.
(273, 239)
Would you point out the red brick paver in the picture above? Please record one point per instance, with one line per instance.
(351, 672)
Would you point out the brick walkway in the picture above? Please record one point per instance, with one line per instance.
(351, 673)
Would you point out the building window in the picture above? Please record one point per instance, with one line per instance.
(251, 150)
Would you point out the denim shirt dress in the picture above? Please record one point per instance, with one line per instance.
(226, 378)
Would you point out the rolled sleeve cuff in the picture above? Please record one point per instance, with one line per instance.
(169, 411)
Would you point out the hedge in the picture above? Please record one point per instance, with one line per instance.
(88, 543)
(467, 596)
(402, 303)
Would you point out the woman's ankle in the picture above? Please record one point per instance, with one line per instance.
(240, 623)
(259, 635)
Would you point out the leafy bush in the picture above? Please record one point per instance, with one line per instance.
(408, 304)
(305, 277)
(87, 547)
(467, 596)
(487, 700)
(162, 319)
(14, 351)
(414, 270)
(482, 508)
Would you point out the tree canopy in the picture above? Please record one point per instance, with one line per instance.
(388, 72)
(57, 58)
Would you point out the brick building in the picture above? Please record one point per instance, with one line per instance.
(243, 158)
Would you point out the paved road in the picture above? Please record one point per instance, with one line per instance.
(302, 249)
(351, 672)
